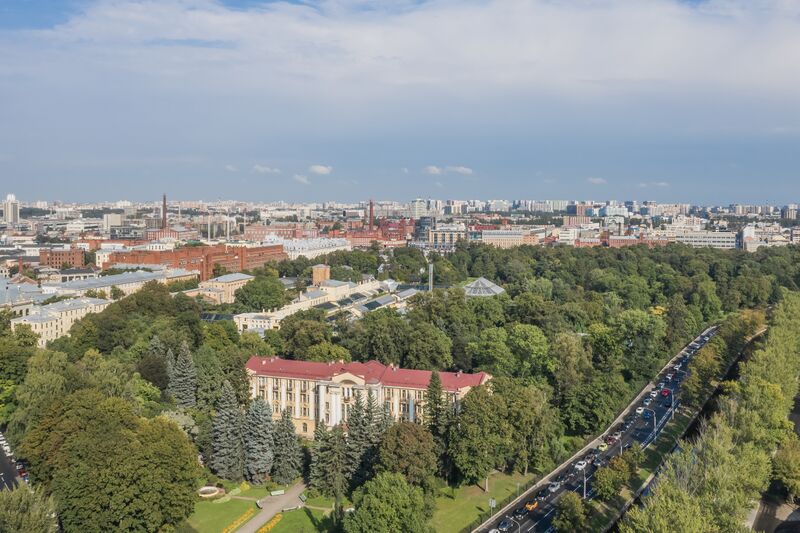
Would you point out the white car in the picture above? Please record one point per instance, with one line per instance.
(670, 376)
(647, 401)
(639, 410)
(554, 486)
(580, 465)
(660, 385)
(653, 393)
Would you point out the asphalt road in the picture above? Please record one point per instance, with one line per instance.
(571, 479)
(8, 473)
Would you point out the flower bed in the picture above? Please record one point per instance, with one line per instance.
(272, 523)
(233, 526)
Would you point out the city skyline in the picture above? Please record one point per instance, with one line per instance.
(679, 101)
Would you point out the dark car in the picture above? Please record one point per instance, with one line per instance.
(520, 513)
(647, 415)
(668, 403)
(505, 525)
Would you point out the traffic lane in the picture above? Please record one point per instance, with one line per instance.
(538, 520)
(8, 472)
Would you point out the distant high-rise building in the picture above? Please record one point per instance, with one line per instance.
(419, 208)
(11, 210)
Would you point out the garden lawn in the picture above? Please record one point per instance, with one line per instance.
(211, 517)
(303, 521)
(454, 514)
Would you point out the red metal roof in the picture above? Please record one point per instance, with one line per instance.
(371, 372)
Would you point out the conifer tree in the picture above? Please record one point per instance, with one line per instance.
(288, 456)
(329, 465)
(258, 441)
(183, 381)
(227, 447)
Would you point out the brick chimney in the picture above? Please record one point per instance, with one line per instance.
(164, 212)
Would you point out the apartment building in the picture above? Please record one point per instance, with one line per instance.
(54, 320)
(222, 289)
(324, 393)
(127, 282)
(57, 258)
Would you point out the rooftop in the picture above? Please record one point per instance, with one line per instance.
(482, 287)
(371, 372)
(235, 276)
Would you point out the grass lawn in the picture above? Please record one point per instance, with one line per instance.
(211, 517)
(455, 513)
(255, 492)
(303, 521)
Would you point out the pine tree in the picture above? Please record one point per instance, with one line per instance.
(288, 456)
(157, 348)
(258, 441)
(228, 453)
(358, 441)
(169, 363)
(183, 381)
(437, 420)
(329, 465)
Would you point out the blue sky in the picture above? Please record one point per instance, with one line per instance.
(348, 99)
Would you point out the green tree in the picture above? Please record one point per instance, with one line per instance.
(288, 456)
(329, 465)
(260, 294)
(387, 504)
(24, 511)
(491, 352)
(327, 352)
(408, 448)
(258, 441)
(183, 382)
(116, 293)
(480, 435)
(228, 451)
(427, 348)
(571, 515)
(786, 466)
(530, 347)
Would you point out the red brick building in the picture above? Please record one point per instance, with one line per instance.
(203, 258)
(58, 258)
(259, 232)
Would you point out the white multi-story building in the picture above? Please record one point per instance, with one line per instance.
(710, 239)
(309, 248)
(54, 320)
(11, 210)
(127, 282)
(323, 393)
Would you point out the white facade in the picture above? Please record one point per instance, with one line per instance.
(55, 320)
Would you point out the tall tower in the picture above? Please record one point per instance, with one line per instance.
(371, 215)
(164, 213)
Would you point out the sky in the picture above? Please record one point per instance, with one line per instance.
(667, 100)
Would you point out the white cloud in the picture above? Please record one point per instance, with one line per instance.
(299, 178)
(231, 168)
(466, 171)
(432, 170)
(263, 169)
(404, 170)
(439, 185)
(597, 181)
(659, 184)
(322, 170)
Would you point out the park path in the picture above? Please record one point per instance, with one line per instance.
(273, 505)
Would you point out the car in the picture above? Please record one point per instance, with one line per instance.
(504, 526)
(628, 425)
(665, 392)
(639, 410)
(602, 447)
(677, 366)
(670, 376)
(668, 403)
(653, 393)
(647, 415)
(647, 402)
(554, 486)
(542, 494)
(600, 463)
(580, 465)
(532, 505)
(611, 439)
(660, 385)
(494, 530)
(520, 513)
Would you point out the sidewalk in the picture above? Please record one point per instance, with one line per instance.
(272, 506)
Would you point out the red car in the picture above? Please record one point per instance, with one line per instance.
(665, 392)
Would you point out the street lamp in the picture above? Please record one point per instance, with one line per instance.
(519, 524)
(654, 418)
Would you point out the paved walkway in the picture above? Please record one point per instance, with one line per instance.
(274, 505)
